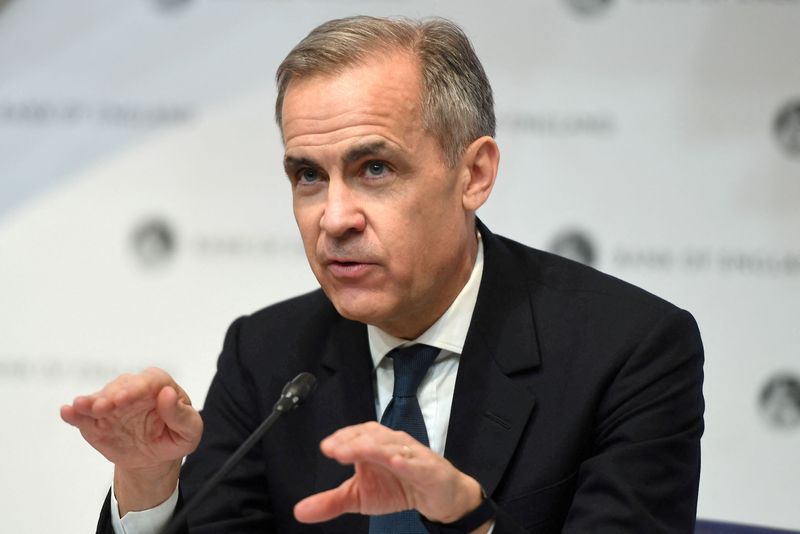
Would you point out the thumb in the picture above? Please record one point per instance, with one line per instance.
(327, 504)
(178, 413)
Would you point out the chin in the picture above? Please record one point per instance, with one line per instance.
(357, 313)
(362, 309)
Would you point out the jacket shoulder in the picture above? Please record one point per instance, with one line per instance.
(573, 280)
(308, 312)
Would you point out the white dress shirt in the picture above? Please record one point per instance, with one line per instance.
(435, 393)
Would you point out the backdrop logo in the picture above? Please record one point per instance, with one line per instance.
(575, 245)
(787, 127)
(589, 7)
(560, 124)
(154, 242)
(780, 400)
(169, 5)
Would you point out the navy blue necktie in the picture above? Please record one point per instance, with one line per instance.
(403, 413)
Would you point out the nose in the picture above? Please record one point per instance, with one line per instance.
(343, 212)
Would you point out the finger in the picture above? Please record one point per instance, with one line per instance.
(113, 388)
(88, 404)
(326, 505)
(102, 407)
(89, 427)
(70, 416)
(94, 405)
(344, 434)
(409, 461)
(372, 431)
(417, 464)
(178, 414)
(353, 431)
(377, 445)
(130, 389)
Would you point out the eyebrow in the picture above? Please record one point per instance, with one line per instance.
(375, 148)
(291, 163)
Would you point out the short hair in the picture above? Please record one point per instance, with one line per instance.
(456, 99)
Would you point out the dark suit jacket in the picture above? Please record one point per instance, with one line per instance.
(578, 405)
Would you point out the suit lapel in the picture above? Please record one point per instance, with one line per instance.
(491, 407)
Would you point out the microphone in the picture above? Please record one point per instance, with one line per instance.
(294, 392)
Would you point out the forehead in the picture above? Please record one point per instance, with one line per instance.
(379, 97)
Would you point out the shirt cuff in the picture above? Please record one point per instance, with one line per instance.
(146, 521)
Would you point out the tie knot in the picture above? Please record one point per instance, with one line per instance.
(410, 366)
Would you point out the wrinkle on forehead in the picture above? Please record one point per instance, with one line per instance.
(379, 97)
(348, 136)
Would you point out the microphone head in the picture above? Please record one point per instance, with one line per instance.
(296, 391)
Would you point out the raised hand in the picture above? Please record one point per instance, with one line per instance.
(393, 472)
(143, 423)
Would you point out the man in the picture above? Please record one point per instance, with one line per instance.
(560, 399)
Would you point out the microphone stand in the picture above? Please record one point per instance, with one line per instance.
(292, 395)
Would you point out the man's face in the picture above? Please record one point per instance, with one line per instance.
(380, 213)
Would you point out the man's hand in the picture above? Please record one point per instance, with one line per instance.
(144, 424)
(394, 472)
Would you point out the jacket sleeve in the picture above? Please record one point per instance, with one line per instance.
(240, 502)
(104, 523)
(643, 471)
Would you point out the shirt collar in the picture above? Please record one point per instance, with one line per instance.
(448, 332)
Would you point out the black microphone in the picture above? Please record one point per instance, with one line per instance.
(294, 392)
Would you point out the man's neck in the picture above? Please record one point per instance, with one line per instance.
(449, 331)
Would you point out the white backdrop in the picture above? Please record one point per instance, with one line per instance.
(143, 205)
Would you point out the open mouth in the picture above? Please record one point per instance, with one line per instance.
(347, 269)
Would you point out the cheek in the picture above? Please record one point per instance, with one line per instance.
(308, 224)
(410, 257)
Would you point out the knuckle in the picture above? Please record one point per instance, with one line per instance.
(403, 435)
(154, 371)
(372, 425)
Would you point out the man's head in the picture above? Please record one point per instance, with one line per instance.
(383, 194)
(457, 102)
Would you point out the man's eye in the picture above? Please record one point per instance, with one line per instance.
(376, 169)
(308, 175)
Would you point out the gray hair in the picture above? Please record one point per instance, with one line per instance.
(456, 100)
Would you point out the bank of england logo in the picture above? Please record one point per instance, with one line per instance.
(780, 401)
(589, 7)
(154, 242)
(575, 245)
(787, 128)
(169, 5)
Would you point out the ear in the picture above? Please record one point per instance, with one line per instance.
(479, 169)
